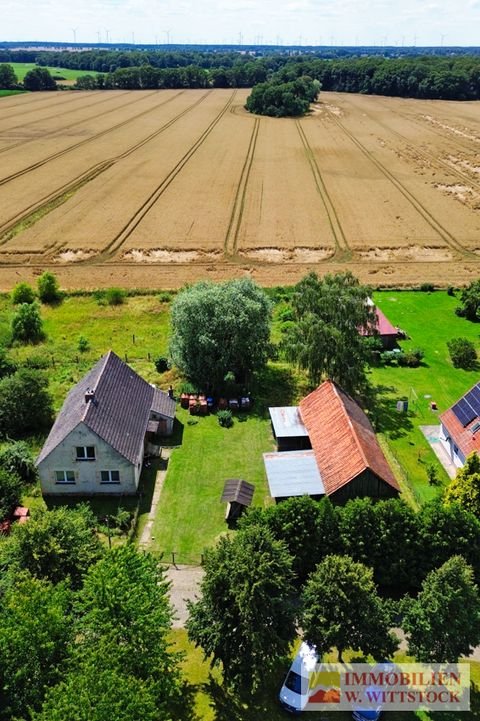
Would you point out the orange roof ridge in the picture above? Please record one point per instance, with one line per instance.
(349, 421)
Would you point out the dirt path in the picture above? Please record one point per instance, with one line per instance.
(185, 582)
(146, 536)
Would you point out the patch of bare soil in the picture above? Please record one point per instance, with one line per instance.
(163, 255)
(413, 252)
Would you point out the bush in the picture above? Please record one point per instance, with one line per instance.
(48, 289)
(7, 366)
(115, 296)
(286, 314)
(462, 352)
(23, 293)
(10, 492)
(410, 358)
(450, 290)
(187, 387)
(225, 419)
(161, 364)
(165, 297)
(83, 345)
(27, 325)
(16, 458)
(427, 288)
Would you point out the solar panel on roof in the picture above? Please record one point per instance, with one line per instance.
(473, 403)
(464, 412)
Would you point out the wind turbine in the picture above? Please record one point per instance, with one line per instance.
(74, 31)
(106, 33)
(167, 33)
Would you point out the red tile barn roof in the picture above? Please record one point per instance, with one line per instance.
(382, 325)
(342, 438)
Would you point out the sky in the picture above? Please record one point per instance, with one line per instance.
(302, 22)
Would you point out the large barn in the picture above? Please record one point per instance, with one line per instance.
(345, 460)
(460, 427)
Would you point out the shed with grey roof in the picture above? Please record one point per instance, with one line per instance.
(288, 429)
(294, 473)
(97, 443)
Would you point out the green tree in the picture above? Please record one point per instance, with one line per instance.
(8, 79)
(16, 457)
(309, 529)
(39, 79)
(25, 403)
(23, 293)
(341, 609)
(35, 630)
(7, 365)
(470, 299)
(443, 623)
(325, 340)
(445, 530)
(465, 487)
(27, 324)
(121, 664)
(54, 545)
(244, 618)
(462, 352)
(10, 492)
(48, 288)
(220, 328)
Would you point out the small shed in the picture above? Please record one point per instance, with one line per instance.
(289, 429)
(238, 494)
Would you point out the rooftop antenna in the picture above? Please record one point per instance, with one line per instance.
(74, 31)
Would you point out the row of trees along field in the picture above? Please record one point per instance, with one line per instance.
(451, 78)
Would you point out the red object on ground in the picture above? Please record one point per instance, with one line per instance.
(5, 528)
(21, 512)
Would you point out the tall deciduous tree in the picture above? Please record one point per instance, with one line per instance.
(27, 324)
(8, 79)
(470, 298)
(244, 618)
(35, 630)
(325, 339)
(465, 487)
(121, 665)
(39, 79)
(25, 403)
(54, 545)
(341, 609)
(219, 329)
(443, 623)
(48, 288)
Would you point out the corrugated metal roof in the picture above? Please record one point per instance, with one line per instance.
(236, 490)
(118, 414)
(342, 438)
(293, 473)
(287, 422)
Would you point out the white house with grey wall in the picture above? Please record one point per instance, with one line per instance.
(98, 441)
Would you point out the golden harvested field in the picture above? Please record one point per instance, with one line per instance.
(159, 188)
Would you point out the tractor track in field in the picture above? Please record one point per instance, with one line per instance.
(22, 113)
(85, 141)
(446, 236)
(235, 222)
(122, 236)
(341, 243)
(51, 133)
(7, 229)
(428, 157)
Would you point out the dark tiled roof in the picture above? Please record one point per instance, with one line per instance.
(464, 437)
(163, 404)
(119, 413)
(342, 438)
(239, 491)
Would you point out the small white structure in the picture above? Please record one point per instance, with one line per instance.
(98, 441)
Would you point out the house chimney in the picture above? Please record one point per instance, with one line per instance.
(89, 395)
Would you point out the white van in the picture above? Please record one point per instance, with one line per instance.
(294, 693)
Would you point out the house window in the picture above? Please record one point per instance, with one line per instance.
(85, 453)
(110, 476)
(64, 477)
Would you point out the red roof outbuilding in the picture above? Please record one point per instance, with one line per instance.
(342, 439)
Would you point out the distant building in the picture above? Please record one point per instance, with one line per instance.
(98, 441)
(345, 460)
(383, 329)
(460, 427)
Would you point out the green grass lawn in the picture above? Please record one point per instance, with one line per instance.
(190, 515)
(21, 69)
(207, 700)
(5, 93)
(430, 321)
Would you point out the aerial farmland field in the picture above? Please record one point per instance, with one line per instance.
(157, 188)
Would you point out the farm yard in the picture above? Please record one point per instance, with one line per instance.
(159, 188)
